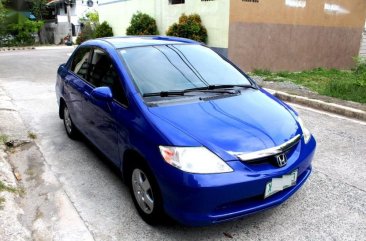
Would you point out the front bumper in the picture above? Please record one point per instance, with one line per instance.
(196, 199)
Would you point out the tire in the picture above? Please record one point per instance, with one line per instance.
(70, 128)
(145, 194)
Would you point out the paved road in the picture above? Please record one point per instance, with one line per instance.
(330, 206)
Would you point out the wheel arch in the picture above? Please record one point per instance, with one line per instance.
(62, 104)
(130, 157)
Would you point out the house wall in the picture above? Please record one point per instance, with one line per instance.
(363, 43)
(118, 13)
(214, 15)
(295, 34)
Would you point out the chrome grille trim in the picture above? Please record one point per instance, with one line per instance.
(268, 152)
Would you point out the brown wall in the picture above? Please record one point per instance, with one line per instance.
(272, 35)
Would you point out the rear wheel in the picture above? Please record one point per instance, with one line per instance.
(145, 194)
(70, 128)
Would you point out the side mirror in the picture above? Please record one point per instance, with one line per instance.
(103, 93)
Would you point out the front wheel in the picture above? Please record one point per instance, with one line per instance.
(145, 194)
(70, 128)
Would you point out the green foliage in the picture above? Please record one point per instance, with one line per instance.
(16, 29)
(24, 32)
(360, 68)
(343, 84)
(189, 27)
(261, 72)
(4, 187)
(39, 8)
(86, 34)
(3, 139)
(103, 30)
(92, 28)
(3, 12)
(142, 24)
(91, 18)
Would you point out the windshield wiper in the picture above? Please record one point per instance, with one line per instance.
(221, 89)
(215, 87)
(183, 92)
(164, 93)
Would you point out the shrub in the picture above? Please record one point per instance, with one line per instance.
(24, 32)
(360, 63)
(103, 30)
(189, 27)
(85, 34)
(142, 24)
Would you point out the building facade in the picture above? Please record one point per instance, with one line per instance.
(265, 34)
(59, 27)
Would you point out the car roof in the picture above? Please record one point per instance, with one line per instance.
(135, 41)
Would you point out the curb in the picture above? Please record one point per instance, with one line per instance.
(318, 104)
(15, 48)
(55, 47)
(37, 48)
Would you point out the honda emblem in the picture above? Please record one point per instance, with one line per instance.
(281, 160)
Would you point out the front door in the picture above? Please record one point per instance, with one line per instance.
(104, 118)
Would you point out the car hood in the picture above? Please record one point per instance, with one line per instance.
(251, 121)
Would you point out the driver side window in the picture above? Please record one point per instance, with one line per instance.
(103, 73)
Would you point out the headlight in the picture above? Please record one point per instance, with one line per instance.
(194, 159)
(306, 133)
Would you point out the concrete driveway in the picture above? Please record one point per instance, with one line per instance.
(330, 206)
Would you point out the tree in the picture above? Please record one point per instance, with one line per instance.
(91, 18)
(189, 27)
(24, 31)
(103, 30)
(39, 9)
(142, 24)
(2, 20)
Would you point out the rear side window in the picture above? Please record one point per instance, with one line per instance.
(80, 63)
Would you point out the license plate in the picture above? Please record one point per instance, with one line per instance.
(278, 184)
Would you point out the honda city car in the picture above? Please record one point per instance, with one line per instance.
(194, 137)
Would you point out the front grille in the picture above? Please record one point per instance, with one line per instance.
(269, 155)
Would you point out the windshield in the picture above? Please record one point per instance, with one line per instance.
(178, 67)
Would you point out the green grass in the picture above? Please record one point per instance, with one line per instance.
(32, 135)
(3, 139)
(6, 188)
(342, 84)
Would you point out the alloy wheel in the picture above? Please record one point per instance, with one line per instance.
(142, 191)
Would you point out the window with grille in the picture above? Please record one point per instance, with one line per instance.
(176, 1)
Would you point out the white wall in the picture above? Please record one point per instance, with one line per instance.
(214, 15)
(119, 13)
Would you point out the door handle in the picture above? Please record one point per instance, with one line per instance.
(67, 79)
(86, 95)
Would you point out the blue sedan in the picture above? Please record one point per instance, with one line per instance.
(194, 137)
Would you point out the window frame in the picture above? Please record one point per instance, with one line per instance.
(87, 81)
(88, 61)
(125, 105)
